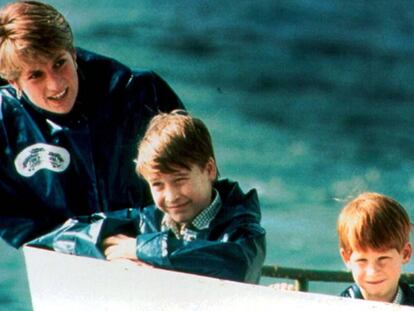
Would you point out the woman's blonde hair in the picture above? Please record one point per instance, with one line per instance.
(30, 30)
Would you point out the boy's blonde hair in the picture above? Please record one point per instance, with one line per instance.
(373, 221)
(30, 30)
(174, 140)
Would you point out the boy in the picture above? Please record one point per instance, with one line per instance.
(373, 232)
(199, 225)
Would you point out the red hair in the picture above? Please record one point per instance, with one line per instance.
(373, 221)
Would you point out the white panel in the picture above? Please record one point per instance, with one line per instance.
(64, 282)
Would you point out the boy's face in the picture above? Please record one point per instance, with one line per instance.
(184, 193)
(377, 272)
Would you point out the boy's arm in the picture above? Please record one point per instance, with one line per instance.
(238, 254)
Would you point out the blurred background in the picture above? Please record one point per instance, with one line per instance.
(308, 101)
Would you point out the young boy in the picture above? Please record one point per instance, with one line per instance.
(198, 225)
(374, 232)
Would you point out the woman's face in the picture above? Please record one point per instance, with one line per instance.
(51, 84)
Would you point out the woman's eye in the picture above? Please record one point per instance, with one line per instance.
(35, 75)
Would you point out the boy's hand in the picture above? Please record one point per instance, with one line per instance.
(119, 246)
(283, 286)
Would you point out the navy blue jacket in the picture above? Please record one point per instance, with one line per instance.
(232, 248)
(353, 291)
(82, 162)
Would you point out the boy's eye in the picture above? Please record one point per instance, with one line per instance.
(156, 184)
(59, 63)
(180, 180)
(383, 259)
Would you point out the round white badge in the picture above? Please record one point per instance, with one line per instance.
(41, 156)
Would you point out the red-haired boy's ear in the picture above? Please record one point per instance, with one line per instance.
(407, 251)
(345, 256)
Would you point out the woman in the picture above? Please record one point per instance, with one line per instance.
(70, 121)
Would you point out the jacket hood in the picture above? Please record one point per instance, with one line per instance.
(234, 198)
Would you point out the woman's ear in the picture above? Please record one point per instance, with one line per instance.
(16, 86)
(407, 251)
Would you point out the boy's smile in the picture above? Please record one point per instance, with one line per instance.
(184, 193)
(377, 273)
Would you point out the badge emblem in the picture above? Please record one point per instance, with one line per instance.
(41, 156)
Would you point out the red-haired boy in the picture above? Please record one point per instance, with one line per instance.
(374, 233)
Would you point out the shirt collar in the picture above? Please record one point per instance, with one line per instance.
(399, 296)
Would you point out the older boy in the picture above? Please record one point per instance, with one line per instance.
(374, 243)
(199, 225)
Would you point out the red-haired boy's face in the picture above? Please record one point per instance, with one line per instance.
(377, 273)
(184, 193)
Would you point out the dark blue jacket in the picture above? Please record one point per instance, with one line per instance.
(82, 162)
(353, 291)
(232, 248)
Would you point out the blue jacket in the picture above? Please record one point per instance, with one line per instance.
(353, 291)
(232, 248)
(53, 167)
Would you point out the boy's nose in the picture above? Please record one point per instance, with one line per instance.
(372, 269)
(171, 196)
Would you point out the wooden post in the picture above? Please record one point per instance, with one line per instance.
(302, 285)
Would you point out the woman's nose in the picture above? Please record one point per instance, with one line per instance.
(54, 82)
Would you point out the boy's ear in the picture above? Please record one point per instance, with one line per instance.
(211, 169)
(345, 256)
(73, 53)
(407, 251)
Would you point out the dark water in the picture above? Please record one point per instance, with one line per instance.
(308, 101)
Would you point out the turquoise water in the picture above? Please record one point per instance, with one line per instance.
(310, 102)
